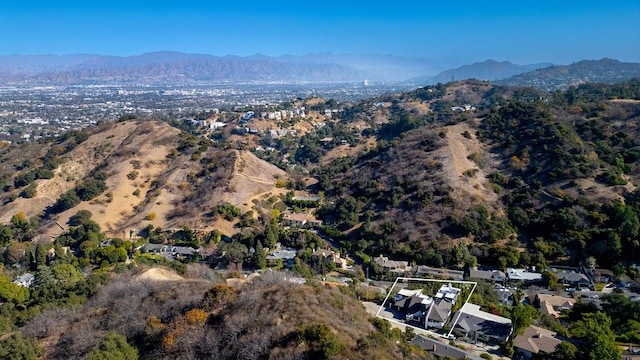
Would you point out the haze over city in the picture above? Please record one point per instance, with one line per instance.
(458, 31)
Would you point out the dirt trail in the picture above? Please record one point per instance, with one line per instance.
(252, 178)
(469, 181)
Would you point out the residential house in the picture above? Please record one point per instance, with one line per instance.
(395, 267)
(473, 323)
(215, 125)
(535, 341)
(523, 275)
(440, 350)
(573, 279)
(248, 115)
(626, 281)
(175, 252)
(301, 220)
(329, 256)
(433, 312)
(287, 257)
(413, 303)
(554, 304)
(443, 302)
(505, 294)
(489, 275)
(25, 280)
(602, 276)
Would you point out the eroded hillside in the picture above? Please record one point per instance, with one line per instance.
(147, 173)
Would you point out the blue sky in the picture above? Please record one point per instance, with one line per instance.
(519, 31)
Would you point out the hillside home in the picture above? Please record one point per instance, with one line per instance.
(396, 267)
(475, 324)
(573, 279)
(626, 281)
(602, 276)
(433, 312)
(489, 275)
(25, 280)
(329, 256)
(535, 341)
(554, 304)
(523, 275)
(287, 257)
(176, 252)
(215, 125)
(301, 220)
(248, 115)
(505, 294)
(440, 350)
(413, 303)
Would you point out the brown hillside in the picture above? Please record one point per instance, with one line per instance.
(467, 178)
(194, 318)
(146, 186)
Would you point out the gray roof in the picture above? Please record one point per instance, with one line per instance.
(441, 350)
(471, 318)
(25, 279)
(572, 276)
(485, 274)
(180, 250)
(537, 340)
(440, 311)
(282, 254)
(410, 304)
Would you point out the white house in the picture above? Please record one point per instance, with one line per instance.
(25, 280)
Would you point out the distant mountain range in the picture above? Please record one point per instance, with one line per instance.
(605, 70)
(486, 70)
(168, 67)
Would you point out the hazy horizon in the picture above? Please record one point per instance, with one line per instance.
(462, 31)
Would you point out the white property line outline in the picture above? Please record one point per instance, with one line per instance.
(427, 280)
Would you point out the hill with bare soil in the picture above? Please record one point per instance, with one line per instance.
(151, 174)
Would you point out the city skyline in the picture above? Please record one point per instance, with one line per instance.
(464, 31)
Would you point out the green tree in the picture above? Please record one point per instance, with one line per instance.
(82, 217)
(260, 256)
(599, 339)
(114, 347)
(40, 257)
(66, 275)
(521, 316)
(66, 201)
(271, 234)
(15, 347)
(11, 292)
(6, 235)
(564, 351)
(30, 191)
(322, 342)
(234, 252)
